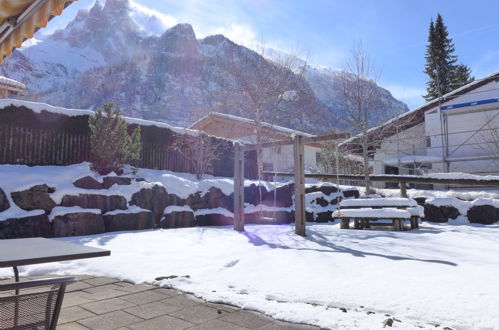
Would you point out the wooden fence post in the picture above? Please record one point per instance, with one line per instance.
(299, 155)
(403, 189)
(238, 187)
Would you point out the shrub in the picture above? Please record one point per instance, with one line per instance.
(111, 144)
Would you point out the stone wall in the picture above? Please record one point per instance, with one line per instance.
(456, 211)
(95, 209)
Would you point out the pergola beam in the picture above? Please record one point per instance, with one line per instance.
(305, 140)
(395, 178)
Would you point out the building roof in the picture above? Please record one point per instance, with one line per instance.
(415, 116)
(276, 128)
(20, 19)
(11, 84)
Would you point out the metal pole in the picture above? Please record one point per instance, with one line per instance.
(238, 188)
(299, 152)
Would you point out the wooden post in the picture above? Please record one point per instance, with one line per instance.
(238, 188)
(299, 153)
(403, 190)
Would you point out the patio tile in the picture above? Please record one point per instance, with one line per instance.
(217, 325)
(224, 307)
(133, 288)
(162, 323)
(152, 310)
(102, 294)
(100, 281)
(247, 319)
(144, 297)
(278, 325)
(183, 301)
(106, 306)
(110, 321)
(80, 285)
(71, 326)
(169, 292)
(198, 314)
(99, 288)
(75, 298)
(73, 313)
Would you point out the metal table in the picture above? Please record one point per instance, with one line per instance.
(28, 251)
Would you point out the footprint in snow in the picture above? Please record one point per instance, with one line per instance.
(231, 263)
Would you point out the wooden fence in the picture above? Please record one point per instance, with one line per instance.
(32, 146)
(35, 146)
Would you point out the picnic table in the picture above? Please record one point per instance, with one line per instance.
(28, 251)
(368, 212)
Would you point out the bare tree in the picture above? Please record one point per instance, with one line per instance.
(357, 83)
(268, 82)
(200, 150)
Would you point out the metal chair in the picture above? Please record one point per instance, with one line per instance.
(38, 308)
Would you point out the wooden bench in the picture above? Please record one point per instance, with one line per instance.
(367, 213)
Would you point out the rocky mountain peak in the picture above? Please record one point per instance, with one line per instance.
(180, 39)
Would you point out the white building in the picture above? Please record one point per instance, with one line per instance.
(279, 159)
(457, 133)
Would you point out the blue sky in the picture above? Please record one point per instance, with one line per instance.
(394, 32)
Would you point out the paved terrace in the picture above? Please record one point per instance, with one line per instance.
(104, 303)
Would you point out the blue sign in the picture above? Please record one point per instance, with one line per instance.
(469, 104)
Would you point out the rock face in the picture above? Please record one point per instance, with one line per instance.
(155, 199)
(253, 192)
(77, 224)
(87, 182)
(33, 226)
(35, 198)
(324, 216)
(351, 193)
(213, 198)
(214, 220)
(443, 213)
(129, 221)
(111, 180)
(93, 201)
(325, 189)
(283, 196)
(4, 202)
(434, 213)
(179, 219)
(484, 214)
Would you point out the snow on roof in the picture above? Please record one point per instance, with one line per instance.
(429, 105)
(13, 84)
(412, 159)
(251, 121)
(464, 176)
(39, 107)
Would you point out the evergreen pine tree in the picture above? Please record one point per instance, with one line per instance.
(440, 60)
(461, 76)
(110, 144)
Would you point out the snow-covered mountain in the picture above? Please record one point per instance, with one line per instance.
(118, 51)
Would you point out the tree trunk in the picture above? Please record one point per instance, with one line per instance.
(366, 163)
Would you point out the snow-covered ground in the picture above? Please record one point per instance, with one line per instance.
(439, 274)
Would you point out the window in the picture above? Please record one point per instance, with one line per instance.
(268, 167)
(317, 157)
(428, 142)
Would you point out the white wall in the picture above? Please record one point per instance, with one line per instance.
(282, 158)
(406, 143)
(464, 141)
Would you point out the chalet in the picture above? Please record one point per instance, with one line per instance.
(9, 88)
(458, 132)
(244, 130)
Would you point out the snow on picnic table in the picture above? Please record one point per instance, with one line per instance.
(439, 274)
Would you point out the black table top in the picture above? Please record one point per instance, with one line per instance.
(28, 251)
